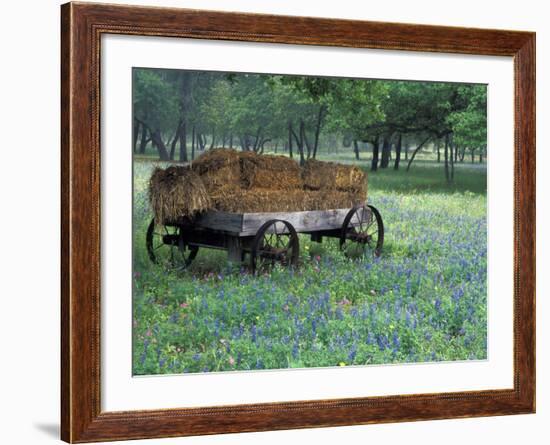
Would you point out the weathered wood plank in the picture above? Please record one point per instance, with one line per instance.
(227, 222)
(234, 249)
(246, 224)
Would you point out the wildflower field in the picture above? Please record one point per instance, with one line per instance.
(423, 300)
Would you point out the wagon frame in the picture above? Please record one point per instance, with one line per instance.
(267, 237)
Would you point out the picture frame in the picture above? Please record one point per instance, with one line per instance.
(82, 26)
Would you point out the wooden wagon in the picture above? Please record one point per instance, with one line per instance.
(267, 238)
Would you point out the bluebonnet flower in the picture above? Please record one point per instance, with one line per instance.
(253, 333)
(382, 341)
(395, 341)
(295, 350)
(370, 338)
(314, 327)
(352, 353)
(457, 294)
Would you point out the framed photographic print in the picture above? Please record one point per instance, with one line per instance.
(275, 222)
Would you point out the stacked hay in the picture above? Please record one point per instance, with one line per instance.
(319, 175)
(219, 167)
(265, 200)
(269, 172)
(232, 181)
(175, 192)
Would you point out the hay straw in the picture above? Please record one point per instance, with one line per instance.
(218, 167)
(269, 172)
(177, 192)
(243, 182)
(318, 175)
(258, 200)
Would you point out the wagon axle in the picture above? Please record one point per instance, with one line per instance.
(170, 240)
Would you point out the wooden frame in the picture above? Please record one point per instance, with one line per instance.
(81, 417)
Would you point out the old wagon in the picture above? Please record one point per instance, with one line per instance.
(262, 239)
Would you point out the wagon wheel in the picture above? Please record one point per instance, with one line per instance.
(166, 247)
(275, 241)
(363, 225)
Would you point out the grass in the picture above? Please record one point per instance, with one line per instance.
(423, 300)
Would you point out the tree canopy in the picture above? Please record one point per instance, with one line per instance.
(297, 113)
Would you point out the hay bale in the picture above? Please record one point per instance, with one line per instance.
(177, 192)
(350, 178)
(243, 182)
(258, 200)
(218, 167)
(269, 172)
(334, 199)
(318, 175)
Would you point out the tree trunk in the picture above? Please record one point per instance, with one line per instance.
(174, 141)
(185, 101)
(299, 143)
(290, 140)
(473, 155)
(375, 150)
(135, 134)
(193, 137)
(480, 156)
(201, 140)
(303, 138)
(159, 144)
(417, 149)
(231, 140)
(438, 150)
(257, 141)
(407, 151)
(144, 140)
(452, 148)
(213, 139)
(462, 154)
(262, 145)
(386, 149)
(173, 147)
(447, 158)
(320, 118)
(397, 153)
(183, 143)
(356, 149)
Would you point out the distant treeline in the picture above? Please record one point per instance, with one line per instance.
(174, 109)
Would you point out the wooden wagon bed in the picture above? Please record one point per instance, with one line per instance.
(247, 224)
(266, 236)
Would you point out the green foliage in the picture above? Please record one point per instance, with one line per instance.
(155, 99)
(258, 108)
(470, 124)
(252, 105)
(355, 106)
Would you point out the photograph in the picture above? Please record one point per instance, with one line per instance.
(288, 221)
